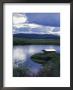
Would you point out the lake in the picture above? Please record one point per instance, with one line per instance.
(22, 55)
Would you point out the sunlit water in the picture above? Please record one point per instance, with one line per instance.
(22, 54)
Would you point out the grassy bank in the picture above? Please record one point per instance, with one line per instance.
(19, 41)
(50, 62)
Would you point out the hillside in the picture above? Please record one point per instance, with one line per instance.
(36, 36)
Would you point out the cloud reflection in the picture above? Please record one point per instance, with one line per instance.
(19, 54)
(31, 51)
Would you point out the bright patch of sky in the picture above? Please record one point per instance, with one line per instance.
(19, 18)
(36, 23)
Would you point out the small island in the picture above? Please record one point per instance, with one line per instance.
(50, 61)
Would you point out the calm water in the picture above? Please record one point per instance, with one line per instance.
(22, 54)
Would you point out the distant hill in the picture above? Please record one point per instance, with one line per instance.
(36, 36)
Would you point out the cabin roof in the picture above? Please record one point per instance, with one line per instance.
(49, 50)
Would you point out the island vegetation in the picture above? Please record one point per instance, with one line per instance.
(50, 62)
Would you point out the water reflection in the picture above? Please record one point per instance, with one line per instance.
(19, 54)
(22, 54)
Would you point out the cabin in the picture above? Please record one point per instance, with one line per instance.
(48, 50)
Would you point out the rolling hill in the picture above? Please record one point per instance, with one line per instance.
(35, 36)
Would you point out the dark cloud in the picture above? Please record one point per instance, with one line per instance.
(52, 19)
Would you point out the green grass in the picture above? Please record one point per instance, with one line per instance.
(43, 58)
(19, 41)
(20, 71)
(50, 62)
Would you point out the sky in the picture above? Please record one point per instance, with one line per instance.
(51, 19)
(39, 23)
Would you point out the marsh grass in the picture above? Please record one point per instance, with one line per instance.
(51, 66)
(19, 41)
